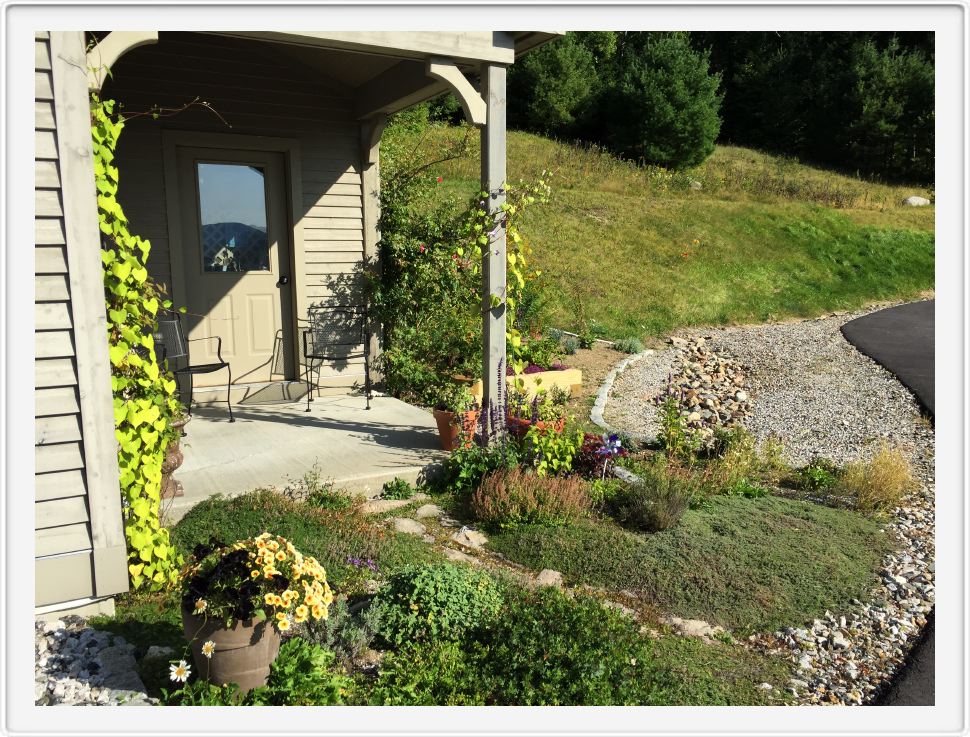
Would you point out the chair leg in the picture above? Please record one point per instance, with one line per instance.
(191, 387)
(309, 389)
(229, 394)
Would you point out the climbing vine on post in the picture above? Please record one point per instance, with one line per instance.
(478, 230)
(145, 393)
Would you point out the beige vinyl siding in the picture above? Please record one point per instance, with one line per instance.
(61, 512)
(260, 92)
(79, 540)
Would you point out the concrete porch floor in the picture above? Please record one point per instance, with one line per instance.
(270, 445)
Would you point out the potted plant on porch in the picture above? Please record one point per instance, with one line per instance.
(173, 454)
(237, 600)
(456, 413)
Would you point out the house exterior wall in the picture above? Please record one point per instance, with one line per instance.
(80, 549)
(264, 97)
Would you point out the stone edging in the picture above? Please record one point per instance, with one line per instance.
(603, 394)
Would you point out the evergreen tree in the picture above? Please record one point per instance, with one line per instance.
(663, 104)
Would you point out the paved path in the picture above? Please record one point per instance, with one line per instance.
(901, 339)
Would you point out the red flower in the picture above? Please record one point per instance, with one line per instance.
(440, 180)
(685, 254)
(421, 247)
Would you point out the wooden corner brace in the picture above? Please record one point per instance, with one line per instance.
(472, 103)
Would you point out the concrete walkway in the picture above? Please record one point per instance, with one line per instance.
(268, 445)
(902, 339)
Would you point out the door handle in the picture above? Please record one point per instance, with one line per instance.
(284, 280)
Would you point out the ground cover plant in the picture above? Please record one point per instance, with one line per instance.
(747, 564)
(545, 648)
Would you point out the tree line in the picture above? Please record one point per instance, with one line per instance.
(856, 101)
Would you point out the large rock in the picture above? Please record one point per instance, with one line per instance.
(469, 538)
(379, 506)
(408, 526)
(693, 627)
(549, 577)
(456, 556)
(915, 201)
(428, 510)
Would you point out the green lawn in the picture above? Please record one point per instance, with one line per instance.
(747, 564)
(766, 238)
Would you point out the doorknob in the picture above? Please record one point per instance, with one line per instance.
(284, 280)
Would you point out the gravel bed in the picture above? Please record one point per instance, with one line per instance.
(76, 665)
(812, 389)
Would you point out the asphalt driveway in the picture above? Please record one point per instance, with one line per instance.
(902, 340)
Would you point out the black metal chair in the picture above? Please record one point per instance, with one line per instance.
(171, 338)
(335, 334)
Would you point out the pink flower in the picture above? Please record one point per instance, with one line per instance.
(421, 248)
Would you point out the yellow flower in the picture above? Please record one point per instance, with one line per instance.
(300, 614)
(269, 599)
(254, 573)
(317, 611)
(283, 624)
(280, 555)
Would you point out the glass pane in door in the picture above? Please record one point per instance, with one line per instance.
(232, 209)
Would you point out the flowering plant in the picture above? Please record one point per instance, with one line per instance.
(264, 577)
(546, 405)
(598, 453)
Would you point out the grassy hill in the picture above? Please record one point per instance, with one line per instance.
(641, 251)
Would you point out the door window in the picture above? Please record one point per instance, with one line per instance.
(232, 211)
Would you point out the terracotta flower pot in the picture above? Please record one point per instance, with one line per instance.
(451, 427)
(243, 653)
(519, 426)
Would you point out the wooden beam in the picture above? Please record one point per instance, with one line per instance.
(103, 56)
(476, 110)
(85, 279)
(404, 84)
(370, 145)
(494, 360)
(472, 46)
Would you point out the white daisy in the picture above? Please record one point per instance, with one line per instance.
(208, 648)
(179, 671)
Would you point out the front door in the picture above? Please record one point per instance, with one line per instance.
(236, 262)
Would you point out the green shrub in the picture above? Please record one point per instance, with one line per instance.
(738, 460)
(513, 497)
(543, 352)
(397, 489)
(549, 649)
(658, 500)
(818, 475)
(437, 673)
(628, 345)
(435, 601)
(464, 468)
(551, 452)
(570, 345)
(746, 489)
(675, 436)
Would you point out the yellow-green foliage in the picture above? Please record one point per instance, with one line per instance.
(880, 484)
(144, 393)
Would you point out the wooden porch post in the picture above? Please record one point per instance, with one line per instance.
(494, 360)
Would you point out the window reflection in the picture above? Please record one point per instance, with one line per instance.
(232, 206)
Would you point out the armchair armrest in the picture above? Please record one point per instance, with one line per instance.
(216, 338)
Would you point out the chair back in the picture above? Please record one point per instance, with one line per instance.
(171, 338)
(335, 333)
